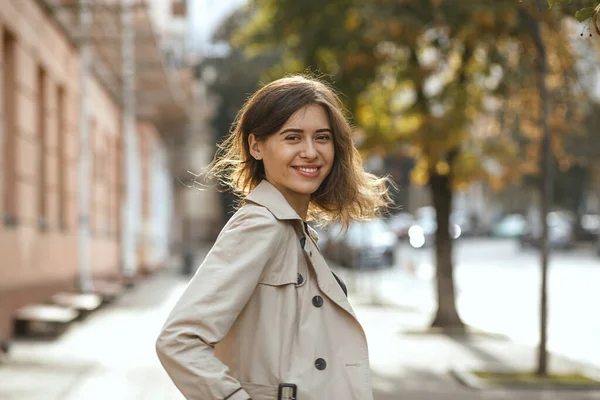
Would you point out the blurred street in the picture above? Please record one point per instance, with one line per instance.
(484, 115)
(498, 291)
(111, 354)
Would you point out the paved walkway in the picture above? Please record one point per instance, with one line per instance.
(111, 355)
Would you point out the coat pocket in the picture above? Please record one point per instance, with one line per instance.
(260, 392)
(279, 279)
(295, 272)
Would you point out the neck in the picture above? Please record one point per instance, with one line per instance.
(299, 205)
(298, 202)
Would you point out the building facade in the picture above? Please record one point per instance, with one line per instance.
(66, 142)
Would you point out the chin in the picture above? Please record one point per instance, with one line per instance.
(306, 188)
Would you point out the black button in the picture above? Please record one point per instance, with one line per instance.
(310, 253)
(317, 301)
(302, 242)
(300, 279)
(320, 364)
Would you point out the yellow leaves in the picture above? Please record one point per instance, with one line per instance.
(408, 124)
(356, 60)
(555, 81)
(485, 18)
(352, 21)
(565, 164)
(531, 129)
(532, 151)
(529, 167)
(496, 183)
(420, 173)
(365, 115)
(259, 24)
(328, 60)
(558, 117)
(288, 65)
(467, 167)
(442, 168)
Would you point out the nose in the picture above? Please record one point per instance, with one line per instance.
(308, 150)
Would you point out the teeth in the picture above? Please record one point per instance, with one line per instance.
(309, 170)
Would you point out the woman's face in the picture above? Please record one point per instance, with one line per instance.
(298, 157)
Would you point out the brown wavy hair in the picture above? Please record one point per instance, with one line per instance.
(348, 193)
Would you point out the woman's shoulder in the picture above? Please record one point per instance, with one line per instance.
(252, 210)
(257, 216)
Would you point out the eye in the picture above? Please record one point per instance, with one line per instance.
(292, 138)
(324, 138)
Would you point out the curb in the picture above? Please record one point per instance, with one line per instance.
(470, 333)
(469, 379)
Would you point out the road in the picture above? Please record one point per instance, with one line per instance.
(498, 290)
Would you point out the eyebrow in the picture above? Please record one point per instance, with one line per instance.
(298, 130)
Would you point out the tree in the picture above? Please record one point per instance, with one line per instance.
(427, 79)
(450, 132)
(545, 188)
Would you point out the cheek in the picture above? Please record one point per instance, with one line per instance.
(329, 154)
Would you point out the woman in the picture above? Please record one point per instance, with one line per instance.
(264, 317)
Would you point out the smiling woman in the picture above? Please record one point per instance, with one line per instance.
(246, 326)
(299, 157)
(302, 118)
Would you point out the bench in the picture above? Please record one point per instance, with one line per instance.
(4, 346)
(108, 290)
(43, 319)
(84, 303)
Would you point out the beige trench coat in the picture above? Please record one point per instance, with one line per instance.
(264, 309)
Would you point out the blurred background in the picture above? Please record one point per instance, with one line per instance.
(486, 115)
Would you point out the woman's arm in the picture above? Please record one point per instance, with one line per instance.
(211, 303)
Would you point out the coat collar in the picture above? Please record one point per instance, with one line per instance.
(268, 196)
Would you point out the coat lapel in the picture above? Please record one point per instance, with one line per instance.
(327, 283)
(269, 197)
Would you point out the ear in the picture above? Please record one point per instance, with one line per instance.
(254, 146)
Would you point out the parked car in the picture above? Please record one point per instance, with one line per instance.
(400, 223)
(510, 226)
(561, 231)
(464, 221)
(422, 233)
(369, 244)
(588, 228)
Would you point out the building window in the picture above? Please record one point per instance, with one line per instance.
(9, 127)
(42, 182)
(61, 158)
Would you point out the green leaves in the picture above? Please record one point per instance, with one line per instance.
(585, 13)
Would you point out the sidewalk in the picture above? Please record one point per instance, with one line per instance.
(111, 355)
(490, 309)
(417, 367)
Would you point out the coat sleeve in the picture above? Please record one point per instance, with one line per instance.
(211, 303)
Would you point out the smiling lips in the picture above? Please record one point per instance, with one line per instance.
(309, 172)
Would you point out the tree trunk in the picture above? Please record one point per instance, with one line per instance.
(545, 188)
(446, 315)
